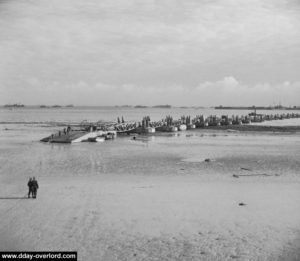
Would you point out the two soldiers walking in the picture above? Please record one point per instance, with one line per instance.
(33, 187)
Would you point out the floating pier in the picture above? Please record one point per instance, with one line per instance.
(100, 131)
(73, 136)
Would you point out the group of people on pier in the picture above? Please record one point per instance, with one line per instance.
(169, 124)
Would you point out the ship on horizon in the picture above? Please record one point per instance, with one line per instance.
(16, 105)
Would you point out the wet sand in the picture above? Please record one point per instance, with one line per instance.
(179, 208)
(113, 218)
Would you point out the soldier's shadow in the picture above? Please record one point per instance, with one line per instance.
(14, 198)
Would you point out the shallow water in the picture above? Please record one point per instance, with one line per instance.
(161, 154)
(78, 114)
(154, 196)
(22, 155)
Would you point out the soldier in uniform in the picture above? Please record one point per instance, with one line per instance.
(29, 184)
(35, 187)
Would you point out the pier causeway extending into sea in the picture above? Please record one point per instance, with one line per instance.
(100, 131)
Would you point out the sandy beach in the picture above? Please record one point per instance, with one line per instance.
(156, 198)
(113, 218)
(156, 130)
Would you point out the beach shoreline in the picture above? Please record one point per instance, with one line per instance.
(129, 217)
(156, 197)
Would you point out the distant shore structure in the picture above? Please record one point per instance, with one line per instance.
(16, 105)
(277, 107)
(140, 106)
(56, 106)
(162, 106)
(166, 106)
(155, 106)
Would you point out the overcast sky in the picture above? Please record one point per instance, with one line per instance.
(179, 52)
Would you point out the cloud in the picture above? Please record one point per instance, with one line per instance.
(229, 83)
(148, 48)
(229, 91)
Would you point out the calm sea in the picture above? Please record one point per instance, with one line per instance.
(77, 114)
(22, 155)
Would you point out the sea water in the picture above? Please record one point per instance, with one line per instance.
(183, 153)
